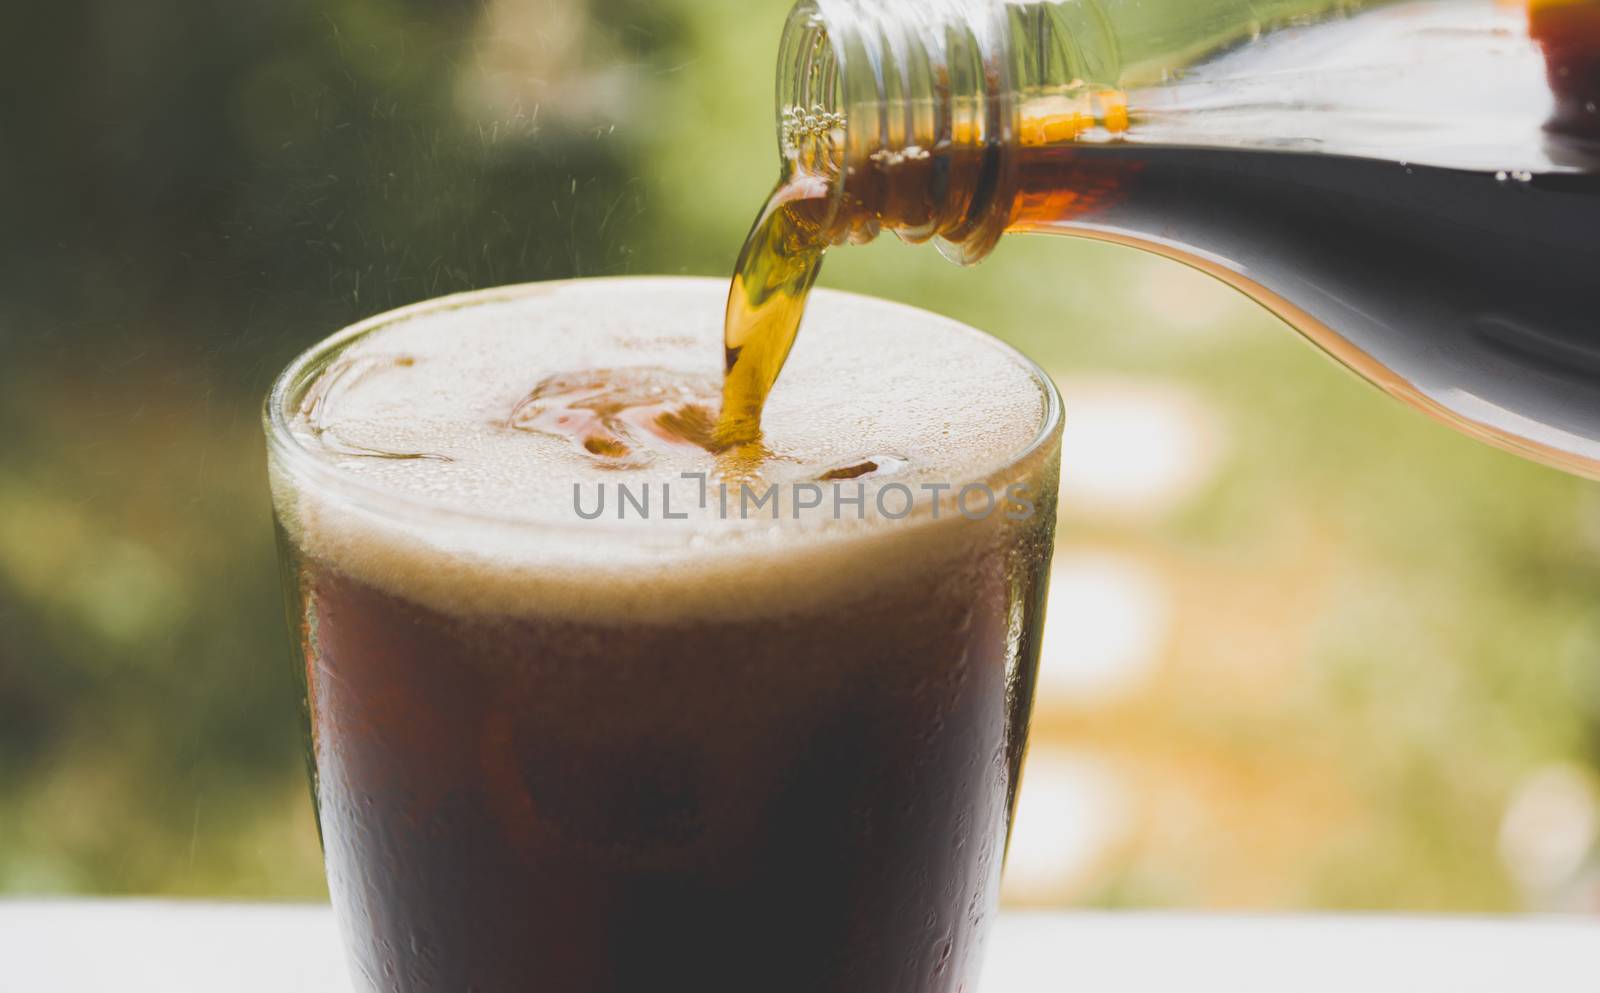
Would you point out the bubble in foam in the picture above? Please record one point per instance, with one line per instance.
(316, 409)
(873, 466)
(618, 415)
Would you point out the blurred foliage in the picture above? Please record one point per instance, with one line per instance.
(202, 190)
(1380, 628)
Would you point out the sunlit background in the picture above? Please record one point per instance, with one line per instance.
(1305, 648)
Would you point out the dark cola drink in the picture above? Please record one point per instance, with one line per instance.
(597, 703)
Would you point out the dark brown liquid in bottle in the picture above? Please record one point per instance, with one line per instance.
(1463, 291)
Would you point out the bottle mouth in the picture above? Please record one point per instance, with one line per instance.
(909, 116)
(812, 126)
(808, 79)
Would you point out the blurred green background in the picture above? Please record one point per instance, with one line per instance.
(1307, 649)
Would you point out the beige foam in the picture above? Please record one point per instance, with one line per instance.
(492, 527)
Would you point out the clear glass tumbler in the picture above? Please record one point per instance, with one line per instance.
(522, 789)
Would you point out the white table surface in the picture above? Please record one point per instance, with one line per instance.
(133, 946)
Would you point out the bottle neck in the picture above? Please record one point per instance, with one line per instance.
(913, 111)
(909, 111)
(915, 115)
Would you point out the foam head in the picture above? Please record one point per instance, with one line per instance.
(540, 447)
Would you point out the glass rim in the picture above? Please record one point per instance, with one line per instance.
(315, 469)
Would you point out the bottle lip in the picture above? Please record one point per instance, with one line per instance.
(899, 79)
(808, 80)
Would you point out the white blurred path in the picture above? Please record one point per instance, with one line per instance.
(139, 946)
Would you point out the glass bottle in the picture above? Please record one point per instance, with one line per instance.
(1414, 186)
